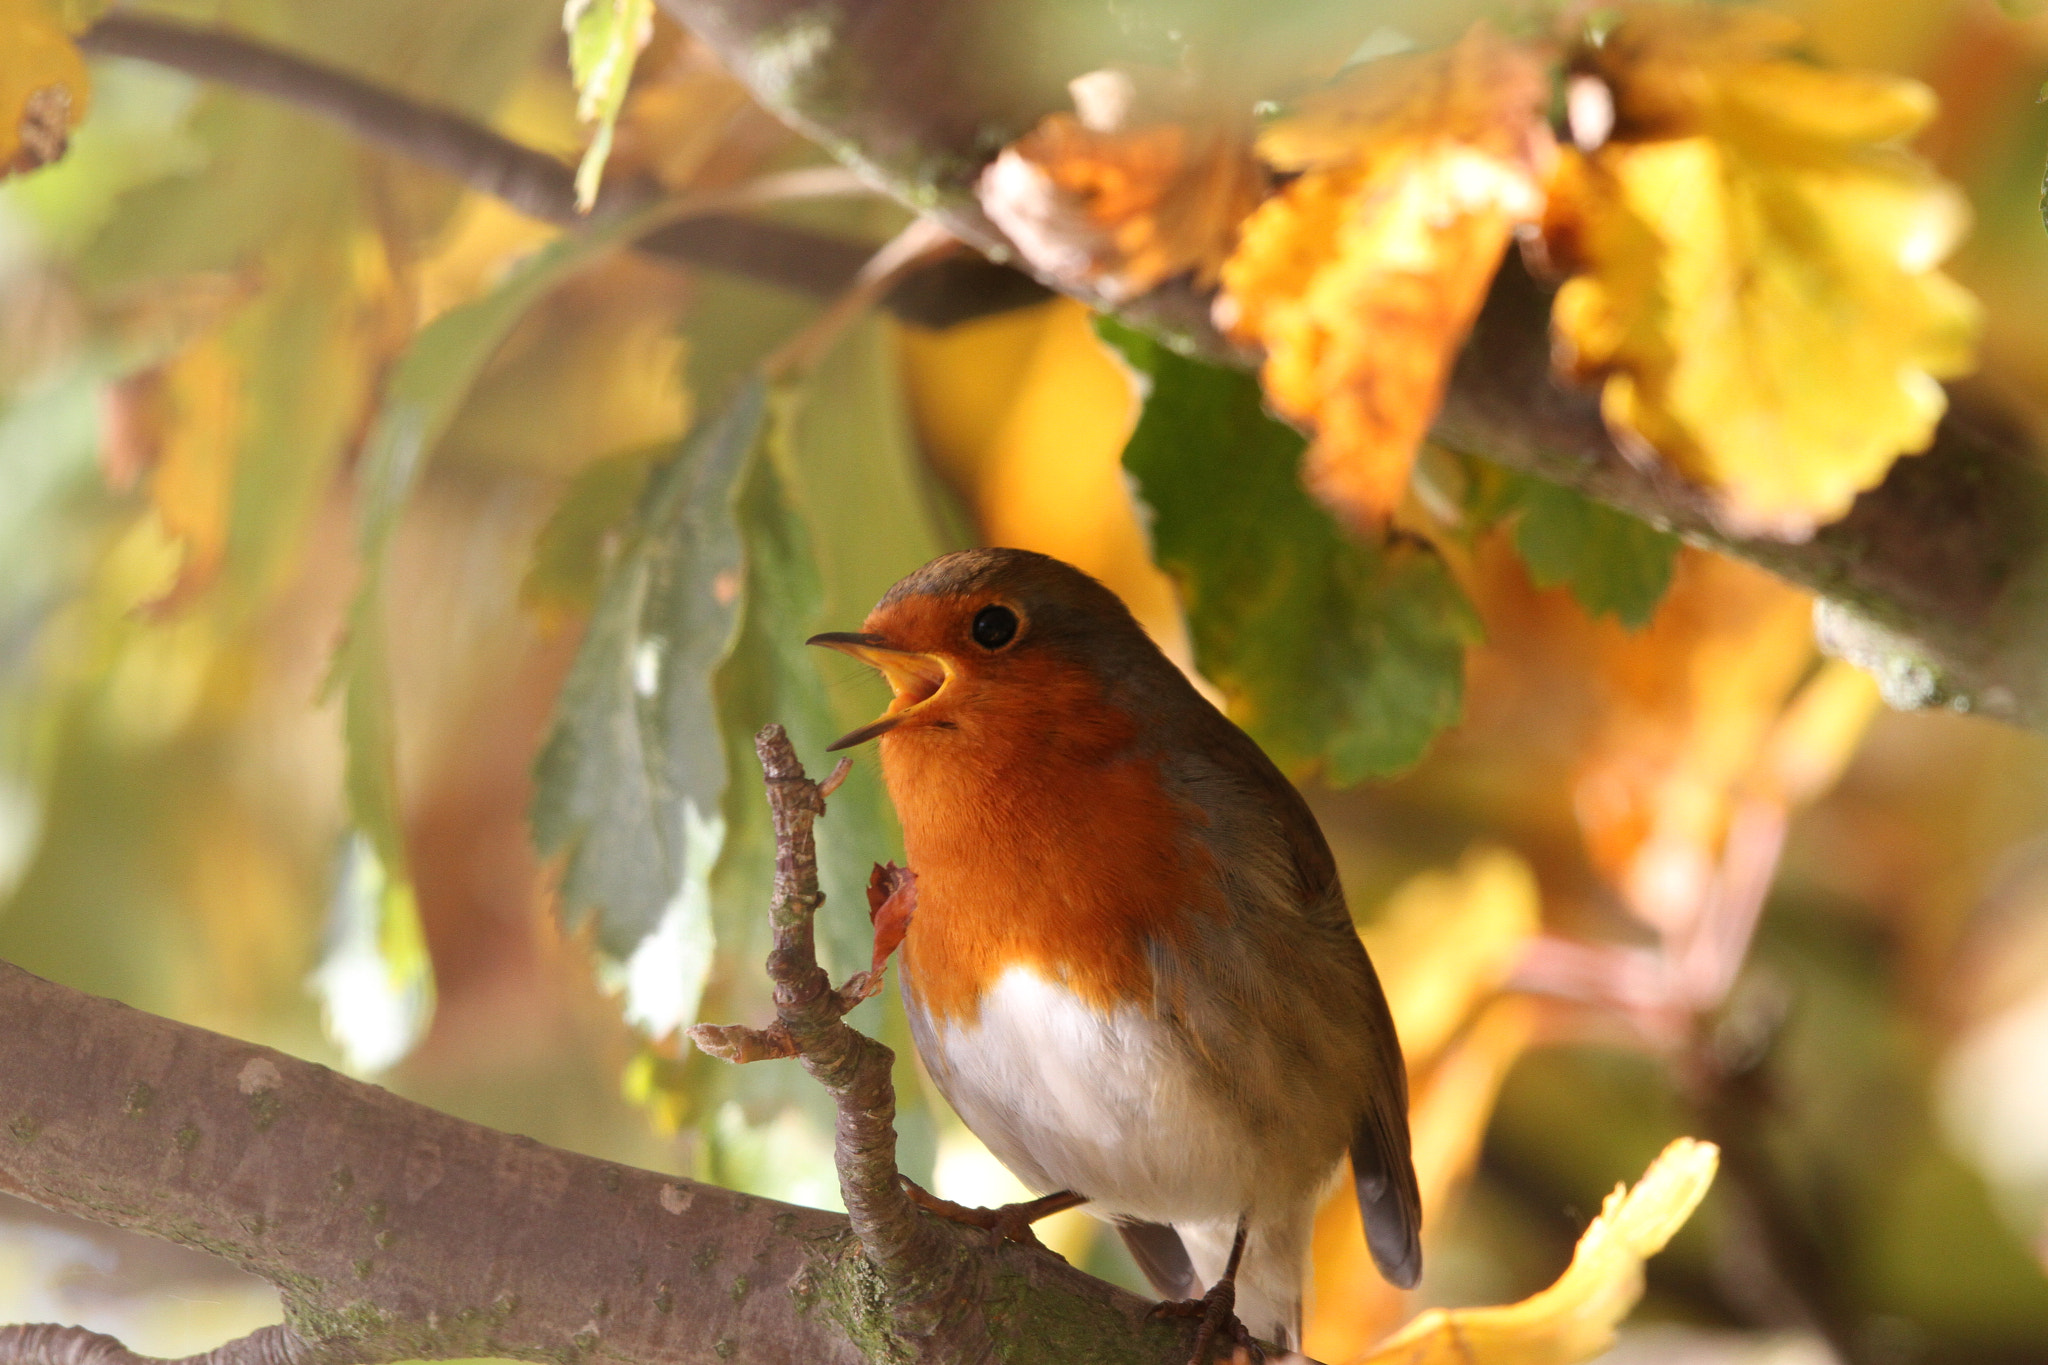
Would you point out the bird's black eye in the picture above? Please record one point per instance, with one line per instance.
(994, 627)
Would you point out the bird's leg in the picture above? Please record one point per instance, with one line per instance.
(1011, 1221)
(1218, 1308)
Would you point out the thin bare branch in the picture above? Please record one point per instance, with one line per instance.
(542, 187)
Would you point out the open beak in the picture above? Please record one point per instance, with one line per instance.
(914, 678)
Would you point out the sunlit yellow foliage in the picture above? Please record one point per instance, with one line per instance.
(1574, 1319)
(1756, 262)
(605, 36)
(1362, 277)
(1446, 941)
(43, 86)
(201, 398)
(1448, 1110)
(1444, 944)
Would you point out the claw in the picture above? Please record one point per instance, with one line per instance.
(1011, 1222)
(1218, 1311)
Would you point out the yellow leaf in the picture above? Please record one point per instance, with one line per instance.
(1818, 733)
(1362, 277)
(1575, 1318)
(1446, 941)
(1353, 1305)
(1444, 944)
(201, 416)
(1754, 265)
(43, 87)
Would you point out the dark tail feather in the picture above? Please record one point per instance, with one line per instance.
(1159, 1252)
(1388, 1200)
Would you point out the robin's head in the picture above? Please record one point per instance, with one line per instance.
(984, 635)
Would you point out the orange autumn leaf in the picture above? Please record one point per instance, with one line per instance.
(1362, 277)
(1754, 262)
(1122, 196)
(1689, 703)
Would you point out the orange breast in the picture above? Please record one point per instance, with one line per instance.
(1041, 839)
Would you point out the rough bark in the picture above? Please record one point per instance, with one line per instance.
(1936, 581)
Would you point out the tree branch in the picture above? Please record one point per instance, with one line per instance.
(1937, 581)
(542, 187)
(394, 1233)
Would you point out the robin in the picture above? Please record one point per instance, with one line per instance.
(1131, 970)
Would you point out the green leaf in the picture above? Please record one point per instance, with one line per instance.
(570, 554)
(631, 784)
(425, 391)
(1611, 561)
(773, 676)
(605, 38)
(1329, 649)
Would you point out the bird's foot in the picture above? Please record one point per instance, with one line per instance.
(1218, 1311)
(1010, 1222)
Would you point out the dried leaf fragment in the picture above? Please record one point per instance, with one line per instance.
(43, 86)
(1362, 277)
(1575, 1318)
(1119, 201)
(1754, 265)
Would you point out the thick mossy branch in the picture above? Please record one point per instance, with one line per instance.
(391, 1231)
(1937, 580)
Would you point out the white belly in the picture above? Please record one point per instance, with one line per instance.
(1107, 1106)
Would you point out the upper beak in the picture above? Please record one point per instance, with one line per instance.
(914, 678)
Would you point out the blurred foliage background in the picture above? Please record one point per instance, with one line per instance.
(318, 470)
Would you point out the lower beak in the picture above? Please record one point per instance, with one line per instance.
(914, 678)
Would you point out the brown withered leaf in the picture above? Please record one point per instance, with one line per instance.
(1361, 278)
(1123, 196)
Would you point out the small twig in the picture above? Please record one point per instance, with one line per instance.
(810, 1020)
(51, 1344)
(924, 240)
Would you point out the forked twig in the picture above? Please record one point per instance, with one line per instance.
(810, 1022)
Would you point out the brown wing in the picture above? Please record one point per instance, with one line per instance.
(1289, 919)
